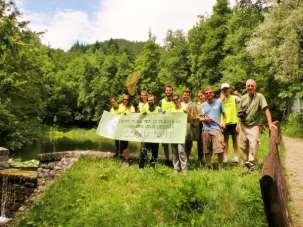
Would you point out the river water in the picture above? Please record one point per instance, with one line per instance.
(31, 151)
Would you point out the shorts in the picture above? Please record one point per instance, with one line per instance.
(213, 142)
(230, 130)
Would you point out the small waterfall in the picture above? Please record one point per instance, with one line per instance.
(6, 196)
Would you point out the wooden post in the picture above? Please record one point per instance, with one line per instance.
(273, 185)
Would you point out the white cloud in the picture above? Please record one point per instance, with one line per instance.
(129, 19)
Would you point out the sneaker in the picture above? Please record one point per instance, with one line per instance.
(220, 166)
(236, 160)
(225, 158)
(125, 164)
(249, 165)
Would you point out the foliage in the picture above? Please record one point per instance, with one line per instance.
(174, 63)
(41, 85)
(23, 62)
(293, 126)
(207, 45)
(277, 49)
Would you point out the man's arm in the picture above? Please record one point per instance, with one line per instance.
(223, 124)
(267, 113)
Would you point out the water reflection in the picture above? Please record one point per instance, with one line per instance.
(64, 144)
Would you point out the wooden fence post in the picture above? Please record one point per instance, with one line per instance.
(273, 185)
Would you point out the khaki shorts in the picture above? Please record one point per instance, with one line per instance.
(213, 142)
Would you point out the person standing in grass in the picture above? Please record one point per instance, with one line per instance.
(149, 147)
(232, 122)
(251, 106)
(178, 150)
(201, 99)
(167, 105)
(192, 125)
(143, 105)
(115, 110)
(125, 108)
(213, 141)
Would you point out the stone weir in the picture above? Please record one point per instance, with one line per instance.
(21, 188)
(16, 187)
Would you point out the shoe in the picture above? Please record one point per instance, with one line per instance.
(236, 160)
(220, 166)
(225, 158)
(249, 165)
(167, 162)
(125, 164)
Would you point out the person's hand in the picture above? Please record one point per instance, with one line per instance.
(223, 125)
(163, 112)
(207, 120)
(272, 126)
(238, 128)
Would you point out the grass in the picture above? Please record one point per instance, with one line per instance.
(103, 193)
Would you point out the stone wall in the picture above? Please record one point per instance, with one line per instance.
(16, 187)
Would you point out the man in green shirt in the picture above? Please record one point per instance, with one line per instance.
(250, 111)
(167, 105)
(146, 147)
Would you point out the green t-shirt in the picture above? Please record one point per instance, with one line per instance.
(231, 110)
(253, 107)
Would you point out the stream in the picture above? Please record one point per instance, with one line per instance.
(30, 152)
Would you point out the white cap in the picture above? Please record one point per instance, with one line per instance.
(224, 85)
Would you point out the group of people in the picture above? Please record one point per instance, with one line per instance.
(211, 121)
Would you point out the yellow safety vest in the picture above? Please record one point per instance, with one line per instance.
(143, 107)
(230, 109)
(114, 111)
(167, 106)
(125, 110)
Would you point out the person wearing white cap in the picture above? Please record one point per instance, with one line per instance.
(232, 123)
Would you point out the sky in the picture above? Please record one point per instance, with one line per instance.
(87, 21)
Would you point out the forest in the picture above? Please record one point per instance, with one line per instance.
(41, 86)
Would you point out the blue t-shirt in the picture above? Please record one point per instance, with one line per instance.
(214, 111)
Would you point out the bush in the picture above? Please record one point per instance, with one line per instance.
(294, 125)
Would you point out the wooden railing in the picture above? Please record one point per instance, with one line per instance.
(273, 185)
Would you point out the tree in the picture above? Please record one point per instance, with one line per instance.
(206, 40)
(147, 64)
(23, 64)
(277, 47)
(174, 64)
(238, 65)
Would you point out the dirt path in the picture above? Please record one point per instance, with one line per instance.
(294, 169)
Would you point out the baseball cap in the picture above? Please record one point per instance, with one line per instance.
(224, 85)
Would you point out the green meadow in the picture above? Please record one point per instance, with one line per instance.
(98, 192)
